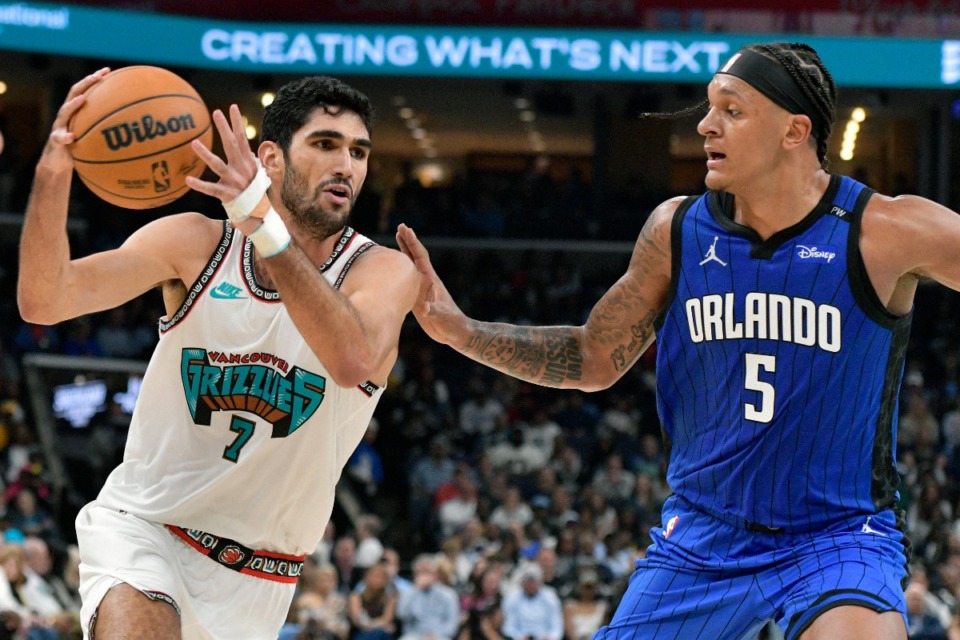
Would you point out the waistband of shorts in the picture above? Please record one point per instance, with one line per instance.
(267, 565)
(737, 521)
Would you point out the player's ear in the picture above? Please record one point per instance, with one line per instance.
(271, 156)
(799, 131)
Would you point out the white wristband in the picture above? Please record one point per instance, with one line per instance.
(271, 237)
(240, 207)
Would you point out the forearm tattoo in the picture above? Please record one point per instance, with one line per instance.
(548, 356)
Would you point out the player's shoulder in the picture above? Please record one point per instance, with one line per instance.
(181, 232)
(888, 214)
(383, 260)
(658, 226)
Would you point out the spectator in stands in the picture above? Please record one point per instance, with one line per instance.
(391, 562)
(541, 432)
(32, 518)
(481, 603)
(587, 611)
(454, 563)
(323, 553)
(567, 464)
(515, 456)
(369, 546)
(621, 417)
(428, 473)
(372, 607)
(922, 624)
(533, 611)
(513, 510)
(472, 540)
(431, 610)
(31, 605)
(613, 482)
(480, 415)
(344, 559)
(457, 510)
(365, 466)
(322, 609)
(40, 574)
(430, 392)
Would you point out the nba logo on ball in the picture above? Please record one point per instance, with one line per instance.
(161, 176)
(132, 137)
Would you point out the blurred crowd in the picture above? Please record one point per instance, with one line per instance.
(489, 508)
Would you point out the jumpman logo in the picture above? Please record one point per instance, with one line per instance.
(868, 529)
(712, 254)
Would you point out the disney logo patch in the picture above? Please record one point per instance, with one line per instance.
(817, 254)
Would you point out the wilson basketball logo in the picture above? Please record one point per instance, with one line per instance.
(124, 134)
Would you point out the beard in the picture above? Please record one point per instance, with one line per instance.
(305, 208)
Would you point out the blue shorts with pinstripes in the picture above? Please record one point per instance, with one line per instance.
(704, 577)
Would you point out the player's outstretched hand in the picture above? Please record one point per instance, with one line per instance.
(434, 309)
(240, 166)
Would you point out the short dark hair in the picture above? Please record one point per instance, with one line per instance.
(807, 69)
(296, 101)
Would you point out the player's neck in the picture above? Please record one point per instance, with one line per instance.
(780, 200)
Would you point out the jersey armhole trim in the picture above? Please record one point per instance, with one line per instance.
(216, 260)
(863, 292)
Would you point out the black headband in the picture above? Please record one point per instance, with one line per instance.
(771, 79)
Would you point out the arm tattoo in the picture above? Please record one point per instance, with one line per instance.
(623, 300)
(548, 356)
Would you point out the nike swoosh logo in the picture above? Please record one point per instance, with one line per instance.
(226, 296)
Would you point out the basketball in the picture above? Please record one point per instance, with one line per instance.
(133, 134)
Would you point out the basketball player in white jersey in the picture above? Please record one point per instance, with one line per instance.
(281, 326)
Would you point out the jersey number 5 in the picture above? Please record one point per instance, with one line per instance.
(763, 410)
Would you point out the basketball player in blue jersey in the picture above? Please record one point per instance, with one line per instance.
(281, 326)
(781, 302)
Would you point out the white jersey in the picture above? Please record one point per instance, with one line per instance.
(239, 430)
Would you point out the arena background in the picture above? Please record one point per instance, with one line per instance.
(524, 166)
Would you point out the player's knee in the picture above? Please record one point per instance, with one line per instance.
(126, 612)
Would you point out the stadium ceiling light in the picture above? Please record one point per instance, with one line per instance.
(267, 98)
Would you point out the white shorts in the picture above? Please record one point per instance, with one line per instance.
(214, 602)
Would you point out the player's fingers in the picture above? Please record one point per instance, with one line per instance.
(239, 128)
(414, 248)
(208, 188)
(61, 136)
(66, 111)
(230, 148)
(81, 86)
(211, 159)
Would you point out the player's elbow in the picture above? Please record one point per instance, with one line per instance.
(37, 309)
(351, 372)
(596, 382)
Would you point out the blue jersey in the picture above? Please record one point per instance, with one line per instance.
(778, 367)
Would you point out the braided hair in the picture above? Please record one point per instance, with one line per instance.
(808, 71)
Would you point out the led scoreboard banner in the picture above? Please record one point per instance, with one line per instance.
(451, 51)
